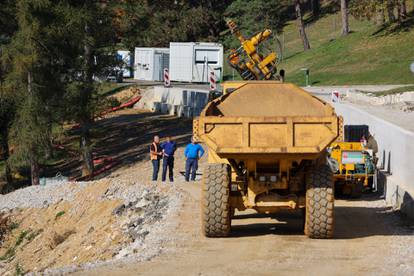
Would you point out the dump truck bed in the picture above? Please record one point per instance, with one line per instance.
(266, 117)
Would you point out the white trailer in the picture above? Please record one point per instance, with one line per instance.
(193, 61)
(149, 63)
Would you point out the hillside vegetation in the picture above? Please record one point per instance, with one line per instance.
(369, 55)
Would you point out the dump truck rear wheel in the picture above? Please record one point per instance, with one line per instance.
(319, 203)
(216, 213)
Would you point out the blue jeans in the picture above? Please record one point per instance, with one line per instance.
(191, 165)
(168, 162)
(155, 169)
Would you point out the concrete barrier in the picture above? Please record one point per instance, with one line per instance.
(178, 101)
(396, 154)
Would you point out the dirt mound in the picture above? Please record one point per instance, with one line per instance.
(126, 94)
(110, 219)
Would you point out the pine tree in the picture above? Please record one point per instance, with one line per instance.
(35, 80)
(91, 39)
(8, 26)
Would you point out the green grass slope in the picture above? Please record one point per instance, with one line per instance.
(369, 55)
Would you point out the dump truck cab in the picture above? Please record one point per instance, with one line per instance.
(267, 145)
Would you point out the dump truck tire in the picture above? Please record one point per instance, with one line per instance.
(319, 221)
(215, 213)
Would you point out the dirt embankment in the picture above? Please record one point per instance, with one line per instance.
(123, 217)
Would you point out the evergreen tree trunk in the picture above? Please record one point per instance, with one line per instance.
(345, 21)
(301, 26)
(402, 9)
(34, 164)
(316, 8)
(390, 11)
(85, 145)
(86, 121)
(6, 155)
(35, 170)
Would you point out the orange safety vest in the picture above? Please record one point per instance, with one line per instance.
(152, 155)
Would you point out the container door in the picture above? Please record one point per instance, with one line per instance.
(181, 62)
(206, 60)
(144, 65)
(158, 71)
(165, 61)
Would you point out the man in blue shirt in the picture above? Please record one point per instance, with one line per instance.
(168, 149)
(193, 152)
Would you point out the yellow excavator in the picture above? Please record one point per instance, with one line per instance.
(248, 61)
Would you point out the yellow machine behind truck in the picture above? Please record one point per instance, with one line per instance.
(267, 151)
(249, 63)
(352, 163)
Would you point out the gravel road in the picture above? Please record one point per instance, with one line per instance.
(370, 239)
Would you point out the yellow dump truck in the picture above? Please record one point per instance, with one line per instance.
(267, 145)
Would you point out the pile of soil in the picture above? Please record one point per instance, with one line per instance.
(116, 218)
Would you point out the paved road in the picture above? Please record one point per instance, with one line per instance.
(394, 116)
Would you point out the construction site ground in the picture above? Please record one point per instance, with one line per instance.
(125, 224)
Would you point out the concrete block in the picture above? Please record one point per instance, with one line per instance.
(164, 108)
(175, 101)
(156, 107)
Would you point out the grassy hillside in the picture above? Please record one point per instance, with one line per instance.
(369, 55)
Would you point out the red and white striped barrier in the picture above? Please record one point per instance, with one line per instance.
(213, 81)
(167, 82)
(336, 96)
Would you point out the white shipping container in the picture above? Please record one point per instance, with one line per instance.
(149, 63)
(193, 61)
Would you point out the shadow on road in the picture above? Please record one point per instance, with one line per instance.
(351, 222)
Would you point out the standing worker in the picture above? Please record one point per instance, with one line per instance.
(372, 145)
(155, 155)
(168, 150)
(193, 152)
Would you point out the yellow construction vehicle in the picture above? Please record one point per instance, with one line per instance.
(352, 164)
(247, 60)
(267, 144)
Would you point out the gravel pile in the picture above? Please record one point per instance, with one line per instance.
(148, 216)
(40, 196)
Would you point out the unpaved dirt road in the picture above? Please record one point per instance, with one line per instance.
(369, 239)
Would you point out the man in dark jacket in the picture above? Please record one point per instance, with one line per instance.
(168, 149)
